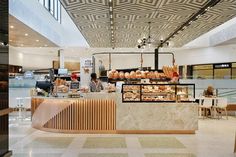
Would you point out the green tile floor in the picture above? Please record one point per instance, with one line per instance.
(105, 142)
(160, 142)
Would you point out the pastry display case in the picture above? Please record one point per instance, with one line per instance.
(158, 92)
(131, 93)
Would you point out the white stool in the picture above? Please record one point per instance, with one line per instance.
(20, 106)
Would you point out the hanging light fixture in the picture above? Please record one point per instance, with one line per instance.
(145, 41)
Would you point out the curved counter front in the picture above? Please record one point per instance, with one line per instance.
(105, 113)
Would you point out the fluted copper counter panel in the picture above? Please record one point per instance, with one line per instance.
(77, 115)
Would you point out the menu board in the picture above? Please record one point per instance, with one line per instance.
(74, 85)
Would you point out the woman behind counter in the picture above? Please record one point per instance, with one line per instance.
(95, 85)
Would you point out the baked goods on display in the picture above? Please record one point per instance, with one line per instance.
(84, 89)
(59, 82)
(121, 75)
(131, 96)
(113, 74)
(127, 76)
(61, 89)
(131, 88)
(158, 93)
(60, 86)
(131, 93)
(169, 71)
(133, 74)
(111, 88)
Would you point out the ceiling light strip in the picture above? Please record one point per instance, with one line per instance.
(193, 18)
(111, 23)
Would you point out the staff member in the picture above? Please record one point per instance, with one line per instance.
(95, 84)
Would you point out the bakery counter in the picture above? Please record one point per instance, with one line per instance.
(90, 114)
(106, 113)
(174, 118)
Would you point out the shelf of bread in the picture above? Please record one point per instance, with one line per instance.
(158, 92)
(158, 98)
(131, 88)
(131, 96)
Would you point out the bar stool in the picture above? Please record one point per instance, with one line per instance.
(19, 106)
(27, 105)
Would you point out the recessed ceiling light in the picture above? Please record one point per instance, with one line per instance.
(37, 40)
(111, 16)
(110, 0)
(26, 34)
(110, 8)
(11, 26)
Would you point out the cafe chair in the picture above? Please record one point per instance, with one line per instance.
(221, 105)
(206, 105)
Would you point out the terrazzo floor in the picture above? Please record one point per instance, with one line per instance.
(215, 138)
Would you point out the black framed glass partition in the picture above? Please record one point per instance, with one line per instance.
(4, 109)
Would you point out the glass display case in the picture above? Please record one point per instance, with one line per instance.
(158, 92)
(131, 93)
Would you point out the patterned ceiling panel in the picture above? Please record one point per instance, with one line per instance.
(222, 12)
(131, 19)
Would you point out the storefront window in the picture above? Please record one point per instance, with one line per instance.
(233, 73)
(222, 73)
(54, 7)
(203, 71)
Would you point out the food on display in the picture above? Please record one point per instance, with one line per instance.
(131, 96)
(131, 88)
(121, 75)
(138, 74)
(84, 89)
(156, 74)
(111, 88)
(110, 74)
(116, 75)
(131, 93)
(127, 76)
(169, 71)
(60, 86)
(59, 82)
(132, 74)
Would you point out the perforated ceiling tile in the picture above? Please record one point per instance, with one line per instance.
(131, 19)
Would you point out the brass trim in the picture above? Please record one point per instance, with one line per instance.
(155, 131)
